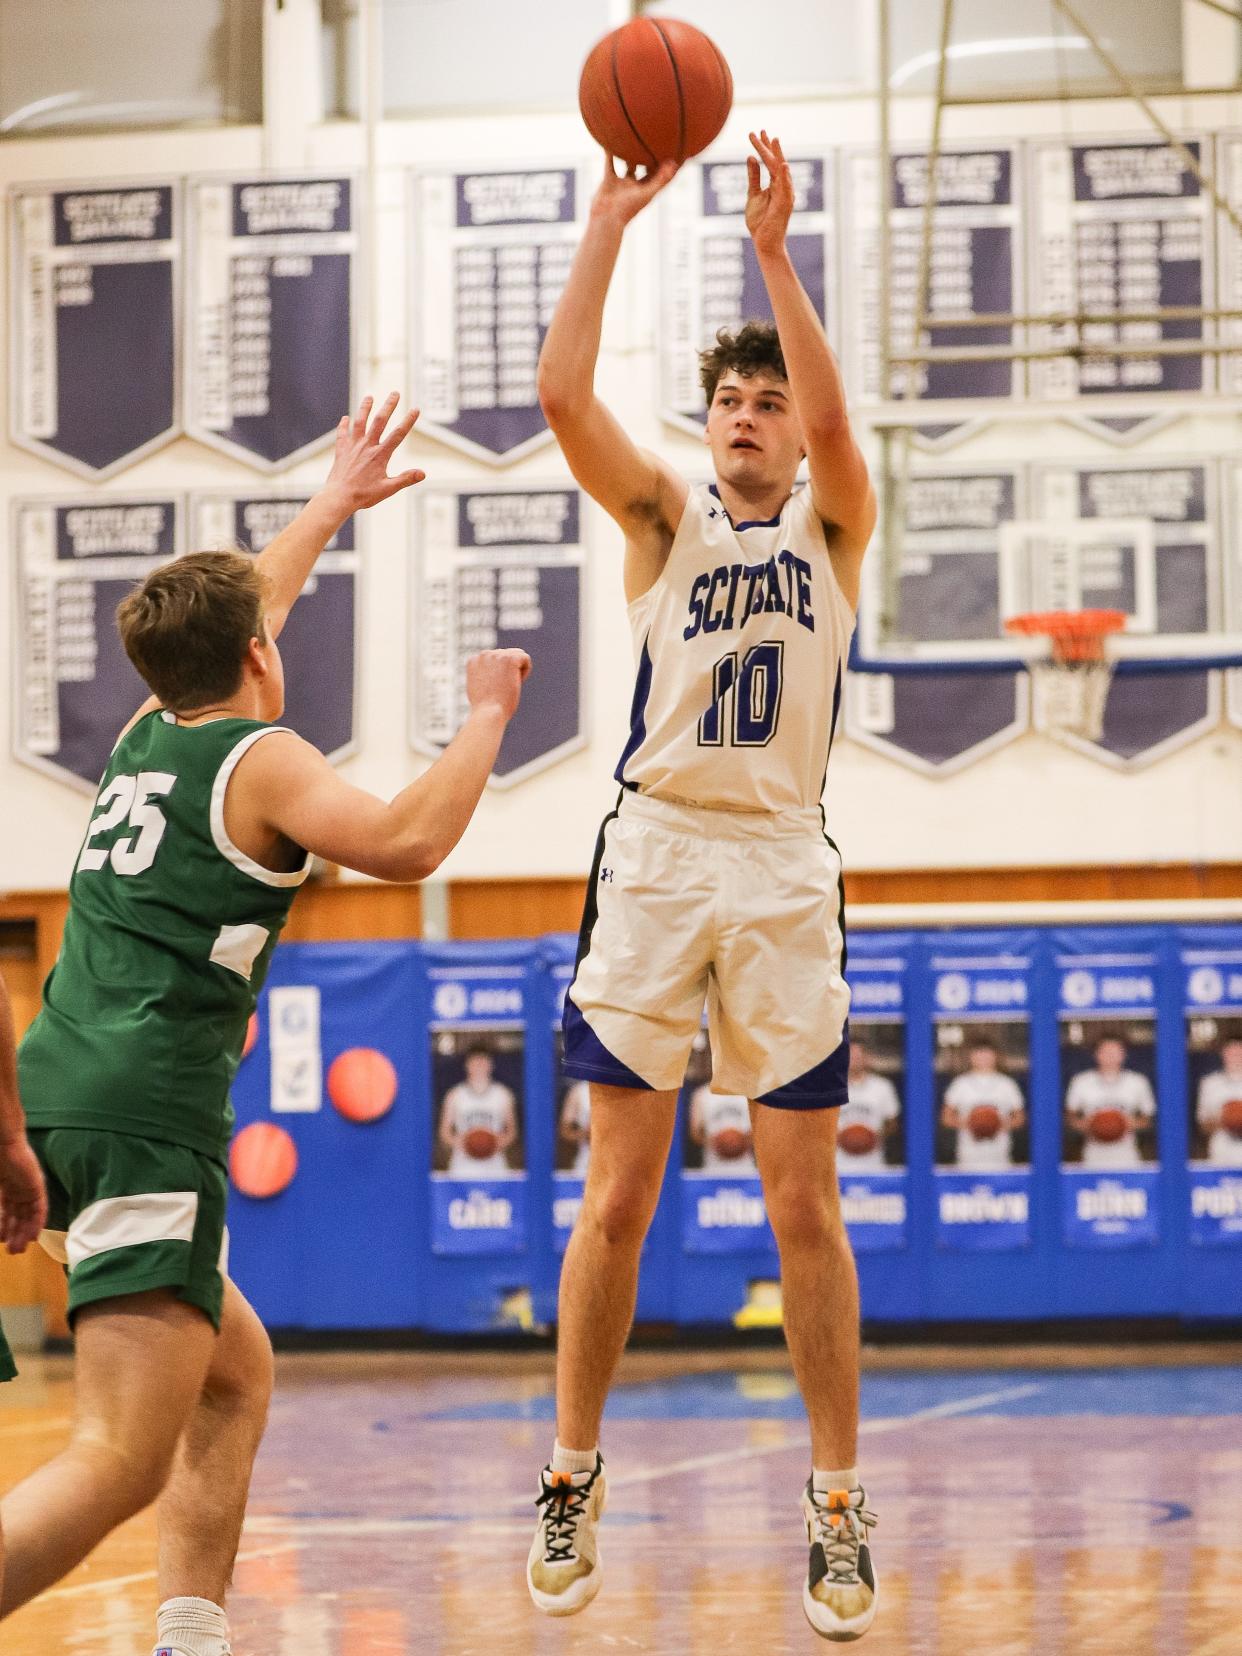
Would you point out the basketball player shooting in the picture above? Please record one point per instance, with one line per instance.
(713, 878)
(201, 834)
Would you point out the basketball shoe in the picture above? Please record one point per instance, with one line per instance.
(564, 1571)
(839, 1596)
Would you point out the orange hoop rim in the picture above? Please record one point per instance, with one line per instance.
(1075, 635)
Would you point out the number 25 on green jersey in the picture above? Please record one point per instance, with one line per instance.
(128, 799)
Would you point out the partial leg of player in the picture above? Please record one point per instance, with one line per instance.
(201, 1511)
(796, 1153)
(630, 1137)
(140, 1364)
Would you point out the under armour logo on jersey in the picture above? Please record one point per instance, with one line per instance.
(605, 876)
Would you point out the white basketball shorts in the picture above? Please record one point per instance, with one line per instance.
(736, 910)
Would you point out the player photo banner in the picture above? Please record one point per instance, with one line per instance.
(319, 641)
(1212, 979)
(478, 1075)
(1109, 1165)
(95, 320)
(871, 1127)
(499, 569)
(710, 277)
(975, 270)
(271, 295)
(76, 560)
(1119, 227)
(572, 1132)
(982, 1100)
(492, 251)
(721, 1196)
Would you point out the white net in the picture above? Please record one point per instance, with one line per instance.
(1070, 697)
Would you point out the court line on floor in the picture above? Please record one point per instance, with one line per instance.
(274, 1523)
(82, 1587)
(868, 1428)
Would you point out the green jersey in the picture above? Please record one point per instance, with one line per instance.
(170, 933)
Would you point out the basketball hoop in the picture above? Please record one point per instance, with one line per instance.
(1071, 682)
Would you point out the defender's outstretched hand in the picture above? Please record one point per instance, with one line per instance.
(768, 211)
(623, 195)
(364, 449)
(23, 1199)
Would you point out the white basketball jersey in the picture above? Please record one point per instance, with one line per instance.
(1129, 1092)
(964, 1094)
(873, 1103)
(1215, 1091)
(741, 647)
(469, 1109)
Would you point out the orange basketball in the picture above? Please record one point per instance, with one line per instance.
(731, 1142)
(480, 1143)
(1231, 1116)
(655, 90)
(984, 1121)
(857, 1138)
(252, 1035)
(362, 1084)
(1107, 1126)
(263, 1159)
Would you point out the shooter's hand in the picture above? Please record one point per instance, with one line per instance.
(621, 196)
(768, 211)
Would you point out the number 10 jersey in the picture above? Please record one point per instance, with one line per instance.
(741, 645)
(170, 932)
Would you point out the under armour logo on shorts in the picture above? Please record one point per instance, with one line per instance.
(605, 876)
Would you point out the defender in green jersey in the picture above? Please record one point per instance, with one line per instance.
(200, 835)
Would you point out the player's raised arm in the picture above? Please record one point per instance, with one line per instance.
(840, 486)
(365, 446)
(284, 785)
(643, 494)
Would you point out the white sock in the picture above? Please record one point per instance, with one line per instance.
(194, 1626)
(823, 1482)
(573, 1460)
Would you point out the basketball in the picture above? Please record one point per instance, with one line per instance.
(252, 1035)
(480, 1143)
(1107, 1126)
(655, 90)
(263, 1159)
(1231, 1116)
(857, 1139)
(731, 1142)
(362, 1083)
(984, 1121)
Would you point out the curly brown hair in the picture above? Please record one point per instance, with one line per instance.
(754, 348)
(186, 628)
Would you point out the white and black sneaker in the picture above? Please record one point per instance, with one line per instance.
(840, 1593)
(564, 1571)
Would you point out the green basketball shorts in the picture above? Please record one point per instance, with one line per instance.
(126, 1215)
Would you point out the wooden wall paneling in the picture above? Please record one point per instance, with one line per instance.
(514, 908)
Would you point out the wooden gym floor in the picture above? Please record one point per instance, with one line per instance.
(1050, 1508)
